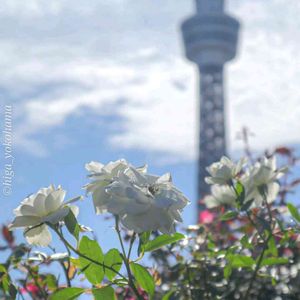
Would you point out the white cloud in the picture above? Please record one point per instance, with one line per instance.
(60, 60)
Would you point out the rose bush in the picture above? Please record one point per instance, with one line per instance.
(245, 246)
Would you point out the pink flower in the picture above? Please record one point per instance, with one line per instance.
(205, 217)
(30, 288)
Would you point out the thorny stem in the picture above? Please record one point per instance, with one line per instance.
(130, 277)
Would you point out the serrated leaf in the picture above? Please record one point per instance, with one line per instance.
(143, 277)
(112, 259)
(294, 212)
(90, 248)
(67, 294)
(271, 261)
(105, 293)
(72, 224)
(162, 240)
(229, 215)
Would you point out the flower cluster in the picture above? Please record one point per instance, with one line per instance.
(260, 181)
(143, 202)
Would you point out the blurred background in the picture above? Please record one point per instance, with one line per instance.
(103, 80)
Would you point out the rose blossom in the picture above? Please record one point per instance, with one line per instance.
(45, 206)
(142, 201)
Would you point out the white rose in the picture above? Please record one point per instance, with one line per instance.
(45, 206)
(223, 171)
(142, 201)
(220, 195)
(263, 175)
(102, 176)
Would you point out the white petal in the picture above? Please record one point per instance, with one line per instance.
(135, 176)
(40, 236)
(54, 200)
(59, 256)
(143, 169)
(165, 178)
(57, 216)
(100, 200)
(27, 210)
(273, 190)
(94, 167)
(25, 221)
(39, 204)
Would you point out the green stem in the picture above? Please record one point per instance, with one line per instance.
(254, 225)
(257, 267)
(130, 277)
(86, 257)
(266, 241)
(130, 245)
(66, 269)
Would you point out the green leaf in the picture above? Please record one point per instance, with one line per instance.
(229, 215)
(247, 205)
(112, 259)
(2, 269)
(67, 294)
(72, 225)
(51, 281)
(294, 212)
(241, 261)
(5, 281)
(162, 240)
(272, 247)
(143, 239)
(245, 242)
(227, 271)
(90, 248)
(168, 295)
(240, 192)
(143, 277)
(271, 261)
(105, 293)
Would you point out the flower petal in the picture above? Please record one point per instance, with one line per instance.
(57, 216)
(39, 236)
(54, 200)
(94, 167)
(39, 204)
(25, 221)
(27, 210)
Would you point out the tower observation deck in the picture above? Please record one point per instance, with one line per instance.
(210, 39)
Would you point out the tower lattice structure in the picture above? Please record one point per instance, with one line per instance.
(210, 39)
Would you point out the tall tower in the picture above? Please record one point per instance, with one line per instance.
(210, 39)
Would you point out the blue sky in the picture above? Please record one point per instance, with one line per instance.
(102, 80)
